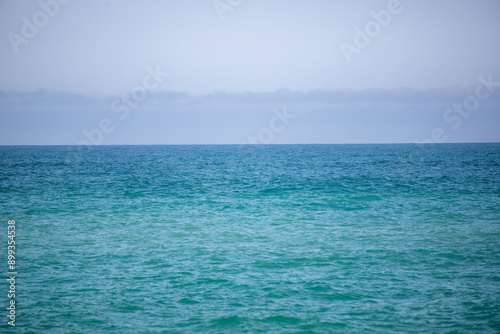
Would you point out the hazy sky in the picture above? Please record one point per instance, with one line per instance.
(103, 47)
(100, 53)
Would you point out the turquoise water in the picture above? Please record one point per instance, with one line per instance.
(257, 239)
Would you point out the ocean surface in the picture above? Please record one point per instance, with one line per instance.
(253, 239)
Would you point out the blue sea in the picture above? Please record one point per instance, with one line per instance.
(253, 239)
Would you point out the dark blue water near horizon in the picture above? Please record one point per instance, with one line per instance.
(253, 239)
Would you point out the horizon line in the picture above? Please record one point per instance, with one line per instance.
(381, 143)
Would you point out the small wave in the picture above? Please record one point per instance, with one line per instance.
(283, 319)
